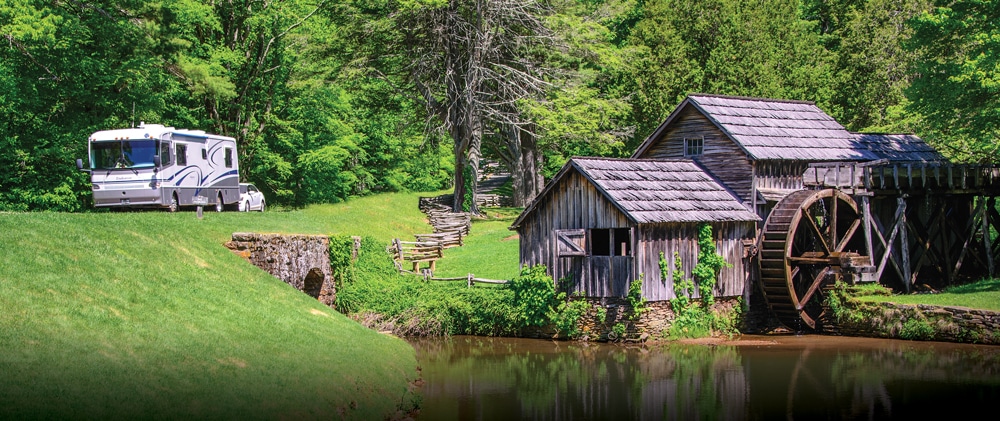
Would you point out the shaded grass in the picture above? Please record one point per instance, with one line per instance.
(983, 295)
(146, 314)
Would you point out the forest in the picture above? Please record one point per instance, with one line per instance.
(332, 99)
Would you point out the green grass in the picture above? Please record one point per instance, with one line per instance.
(146, 314)
(983, 295)
(490, 251)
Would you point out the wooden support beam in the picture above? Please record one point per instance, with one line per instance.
(889, 245)
(990, 204)
(971, 227)
(866, 217)
(904, 247)
(926, 233)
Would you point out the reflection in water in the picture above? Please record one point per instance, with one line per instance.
(793, 377)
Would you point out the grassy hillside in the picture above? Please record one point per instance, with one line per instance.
(984, 294)
(129, 315)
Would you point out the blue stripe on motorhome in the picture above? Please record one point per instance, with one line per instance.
(225, 174)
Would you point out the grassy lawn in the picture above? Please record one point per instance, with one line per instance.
(491, 250)
(147, 315)
(981, 295)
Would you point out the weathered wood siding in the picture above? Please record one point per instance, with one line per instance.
(576, 204)
(786, 175)
(683, 239)
(721, 156)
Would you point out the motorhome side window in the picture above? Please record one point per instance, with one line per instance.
(182, 154)
(610, 242)
(229, 158)
(204, 154)
(165, 157)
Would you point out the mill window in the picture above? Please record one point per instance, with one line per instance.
(694, 146)
(611, 242)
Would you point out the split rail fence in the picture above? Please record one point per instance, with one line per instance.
(450, 230)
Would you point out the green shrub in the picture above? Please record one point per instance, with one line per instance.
(916, 328)
(534, 295)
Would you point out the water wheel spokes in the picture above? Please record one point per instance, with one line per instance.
(804, 250)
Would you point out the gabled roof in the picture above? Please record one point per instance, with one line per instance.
(899, 147)
(653, 191)
(773, 129)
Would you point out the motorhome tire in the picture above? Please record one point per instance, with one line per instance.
(174, 204)
(219, 205)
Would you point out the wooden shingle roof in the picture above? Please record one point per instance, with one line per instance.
(899, 147)
(770, 129)
(654, 191)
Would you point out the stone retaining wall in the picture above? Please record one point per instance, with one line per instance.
(918, 322)
(654, 322)
(302, 261)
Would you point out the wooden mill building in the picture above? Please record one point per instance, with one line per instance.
(601, 222)
(728, 161)
(760, 148)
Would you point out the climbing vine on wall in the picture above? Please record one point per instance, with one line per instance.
(695, 318)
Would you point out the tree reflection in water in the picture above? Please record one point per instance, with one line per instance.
(795, 377)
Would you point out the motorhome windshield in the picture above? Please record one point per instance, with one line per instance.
(111, 154)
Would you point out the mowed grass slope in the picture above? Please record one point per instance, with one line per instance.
(147, 315)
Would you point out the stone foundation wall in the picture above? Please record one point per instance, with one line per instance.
(652, 323)
(302, 261)
(919, 322)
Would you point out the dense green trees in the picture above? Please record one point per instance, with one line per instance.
(958, 88)
(330, 99)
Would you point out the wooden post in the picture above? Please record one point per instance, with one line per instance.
(904, 248)
(889, 245)
(866, 217)
(990, 203)
(468, 282)
(356, 247)
(970, 231)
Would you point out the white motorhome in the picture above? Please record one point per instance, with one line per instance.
(153, 166)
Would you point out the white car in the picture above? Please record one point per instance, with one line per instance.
(251, 198)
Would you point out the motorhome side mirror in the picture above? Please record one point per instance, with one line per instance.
(79, 164)
(156, 161)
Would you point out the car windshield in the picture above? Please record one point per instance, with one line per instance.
(106, 155)
(243, 188)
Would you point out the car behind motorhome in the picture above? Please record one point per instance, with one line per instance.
(154, 166)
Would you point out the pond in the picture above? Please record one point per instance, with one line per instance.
(750, 377)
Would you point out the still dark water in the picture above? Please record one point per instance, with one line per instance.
(754, 377)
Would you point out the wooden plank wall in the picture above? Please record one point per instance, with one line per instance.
(576, 204)
(779, 174)
(722, 157)
(683, 239)
(573, 204)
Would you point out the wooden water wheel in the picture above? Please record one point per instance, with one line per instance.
(810, 240)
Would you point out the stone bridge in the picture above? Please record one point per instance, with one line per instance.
(302, 261)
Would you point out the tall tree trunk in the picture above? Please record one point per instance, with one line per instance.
(521, 155)
(467, 150)
(528, 180)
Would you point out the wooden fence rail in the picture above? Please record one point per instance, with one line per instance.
(417, 252)
(470, 280)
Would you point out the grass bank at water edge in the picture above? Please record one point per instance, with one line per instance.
(147, 315)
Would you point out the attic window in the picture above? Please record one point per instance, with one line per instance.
(694, 146)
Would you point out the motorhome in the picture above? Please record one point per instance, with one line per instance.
(154, 166)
